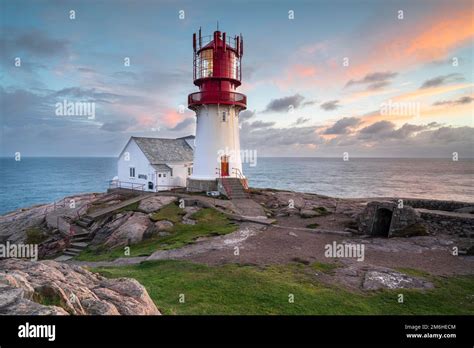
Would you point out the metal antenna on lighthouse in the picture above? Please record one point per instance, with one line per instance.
(217, 25)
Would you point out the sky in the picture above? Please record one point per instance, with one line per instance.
(322, 78)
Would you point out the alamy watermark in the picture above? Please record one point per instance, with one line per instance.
(391, 108)
(246, 156)
(345, 250)
(22, 251)
(68, 108)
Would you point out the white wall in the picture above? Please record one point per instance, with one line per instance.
(138, 160)
(142, 166)
(213, 135)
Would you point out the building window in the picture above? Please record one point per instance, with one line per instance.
(190, 170)
(164, 175)
(224, 116)
(132, 172)
(159, 175)
(142, 176)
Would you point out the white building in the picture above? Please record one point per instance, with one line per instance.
(155, 164)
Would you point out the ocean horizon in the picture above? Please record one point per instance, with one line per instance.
(39, 180)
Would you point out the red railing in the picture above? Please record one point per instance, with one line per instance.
(219, 97)
(242, 178)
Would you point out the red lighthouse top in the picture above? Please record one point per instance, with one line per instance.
(217, 70)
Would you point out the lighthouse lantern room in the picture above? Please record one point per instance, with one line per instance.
(217, 72)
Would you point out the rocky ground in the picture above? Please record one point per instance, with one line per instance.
(49, 287)
(303, 225)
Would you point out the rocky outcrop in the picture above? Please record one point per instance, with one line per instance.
(14, 225)
(49, 287)
(132, 231)
(155, 203)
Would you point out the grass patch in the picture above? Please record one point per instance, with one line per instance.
(171, 212)
(209, 222)
(322, 211)
(313, 225)
(327, 268)
(34, 235)
(413, 272)
(130, 207)
(234, 289)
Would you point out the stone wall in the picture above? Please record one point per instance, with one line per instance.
(436, 204)
(194, 185)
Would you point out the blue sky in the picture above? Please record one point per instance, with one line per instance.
(302, 99)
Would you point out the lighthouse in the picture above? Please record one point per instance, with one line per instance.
(217, 73)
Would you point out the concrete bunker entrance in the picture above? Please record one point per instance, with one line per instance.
(382, 221)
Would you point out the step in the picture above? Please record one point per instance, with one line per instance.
(70, 253)
(79, 245)
(82, 223)
(74, 250)
(81, 234)
(75, 239)
(63, 258)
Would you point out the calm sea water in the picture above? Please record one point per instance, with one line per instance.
(43, 180)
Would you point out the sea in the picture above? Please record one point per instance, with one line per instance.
(38, 180)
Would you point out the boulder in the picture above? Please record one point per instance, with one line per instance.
(163, 225)
(307, 213)
(132, 231)
(53, 288)
(152, 204)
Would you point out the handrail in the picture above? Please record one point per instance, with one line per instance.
(118, 184)
(242, 178)
(217, 97)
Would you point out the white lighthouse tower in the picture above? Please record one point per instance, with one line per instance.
(217, 73)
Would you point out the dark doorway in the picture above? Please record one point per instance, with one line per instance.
(382, 220)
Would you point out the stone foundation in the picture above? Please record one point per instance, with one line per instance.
(194, 185)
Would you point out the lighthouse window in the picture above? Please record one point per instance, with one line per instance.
(205, 65)
(132, 172)
(224, 116)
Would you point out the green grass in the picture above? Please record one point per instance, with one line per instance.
(171, 212)
(130, 207)
(209, 222)
(35, 235)
(313, 225)
(234, 289)
(322, 211)
(327, 268)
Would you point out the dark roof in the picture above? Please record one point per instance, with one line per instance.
(160, 150)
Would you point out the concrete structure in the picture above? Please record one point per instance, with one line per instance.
(154, 164)
(217, 73)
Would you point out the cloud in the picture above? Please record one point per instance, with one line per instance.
(116, 126)
(35, 42)
(282, 104)
(441, 80)
(460, 101)
(343, 126)
(261, 124)
(246, 115)
(184, 124)
(330, 105)
(379, 127)
(300, 121)
(374, 81)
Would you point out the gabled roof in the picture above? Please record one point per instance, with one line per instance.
(161, 150)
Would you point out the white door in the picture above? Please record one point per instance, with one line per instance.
(162, 181)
